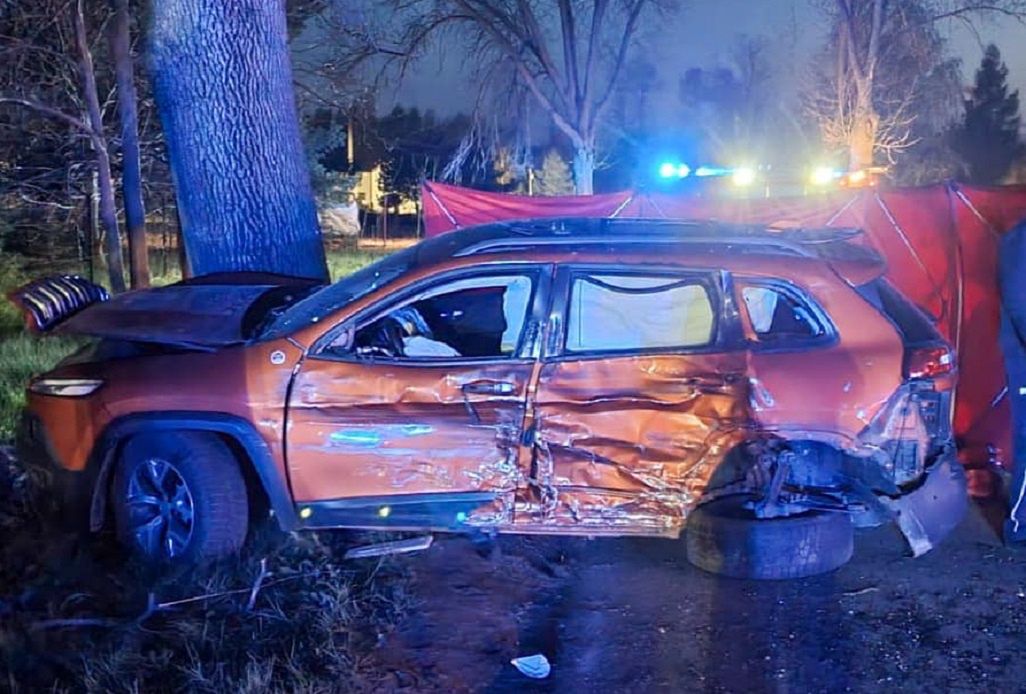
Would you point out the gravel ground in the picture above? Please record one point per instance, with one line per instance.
(632, 615)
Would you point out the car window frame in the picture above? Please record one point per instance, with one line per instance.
(556, 332)
(828, 338)
(527, 343)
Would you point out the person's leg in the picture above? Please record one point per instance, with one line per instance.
(1015, 526)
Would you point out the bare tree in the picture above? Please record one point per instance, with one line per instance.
(64, 71)
(880, 49)
(567, 55)
(131, 166)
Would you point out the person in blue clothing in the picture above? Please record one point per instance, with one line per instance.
(1012, 279)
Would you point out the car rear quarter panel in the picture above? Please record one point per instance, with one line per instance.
(830, 391)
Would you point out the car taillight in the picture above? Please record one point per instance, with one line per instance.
(928, 362)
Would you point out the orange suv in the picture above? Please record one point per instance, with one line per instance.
(766, 390)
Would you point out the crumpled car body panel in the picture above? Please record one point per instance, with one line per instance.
(202, 313)
(542, 441)
(632, 441)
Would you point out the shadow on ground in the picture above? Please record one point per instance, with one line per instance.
(632, 615)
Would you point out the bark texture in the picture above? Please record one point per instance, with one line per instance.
(131, 170)
(584, 169)
(223, 84)
(105, 182)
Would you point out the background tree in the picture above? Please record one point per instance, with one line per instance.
(49, 70)
(873, 69)
(730, 105)
(567, 55)
(223, 84)
(554, 178)
(131, 163)
(509, 175)
(988, 138)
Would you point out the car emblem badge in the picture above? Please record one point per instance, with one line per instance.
(277, 357)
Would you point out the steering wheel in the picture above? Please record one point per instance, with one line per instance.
(386, 341)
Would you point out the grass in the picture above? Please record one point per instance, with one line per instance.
(76, 615)
(21, 356)
(288, 615)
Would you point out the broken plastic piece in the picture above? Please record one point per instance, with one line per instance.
(927, 515)
(412, 544)
(49, 301)
(534, 666)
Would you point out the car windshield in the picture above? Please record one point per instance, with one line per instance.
(330, 298)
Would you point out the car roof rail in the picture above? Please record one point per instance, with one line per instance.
(518, 235)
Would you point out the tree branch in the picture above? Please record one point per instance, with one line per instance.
(621, 57)
(566, 20)
(51, 112)
(528, 77)
(597, 17)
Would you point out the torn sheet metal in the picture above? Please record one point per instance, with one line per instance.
(633, 441)
(371, 429)
(929, 513)
(380, 549)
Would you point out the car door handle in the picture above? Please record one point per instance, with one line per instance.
(489, 388)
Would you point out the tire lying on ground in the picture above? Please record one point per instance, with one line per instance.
(724, 538)
(179, 497)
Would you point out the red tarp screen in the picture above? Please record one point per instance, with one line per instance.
(940, 243)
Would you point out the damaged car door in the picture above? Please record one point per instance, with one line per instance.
(411, 412)
(639, 397)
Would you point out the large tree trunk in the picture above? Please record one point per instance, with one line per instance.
(863, 141)
(584, 169)
(865, 125)
(131, 173)
(223, 85)
(108, 210)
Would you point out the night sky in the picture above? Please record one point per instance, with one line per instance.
(700, 36)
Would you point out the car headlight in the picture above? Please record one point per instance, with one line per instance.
(65, 387)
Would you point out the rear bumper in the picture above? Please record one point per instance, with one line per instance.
(932, 510)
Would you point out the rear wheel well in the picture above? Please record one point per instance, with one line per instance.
(813, 463)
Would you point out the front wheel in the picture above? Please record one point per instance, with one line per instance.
(179, 497)
(725, 538)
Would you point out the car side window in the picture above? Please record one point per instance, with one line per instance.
(475, 317)
(777, 314)
(637, 313)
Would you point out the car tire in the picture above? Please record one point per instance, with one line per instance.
(724, 538)
(179, 498)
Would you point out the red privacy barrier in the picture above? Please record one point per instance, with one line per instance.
(940, 243)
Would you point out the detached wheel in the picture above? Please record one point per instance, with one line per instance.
(179, 497)
(727, 539)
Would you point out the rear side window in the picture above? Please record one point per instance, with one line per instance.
(913, 324)
(637, 313)
(778, 314)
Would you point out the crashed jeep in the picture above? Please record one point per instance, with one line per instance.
(764, 391)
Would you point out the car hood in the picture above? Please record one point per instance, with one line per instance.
(204, 313)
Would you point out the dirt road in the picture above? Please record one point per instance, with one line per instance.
(632, 615)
